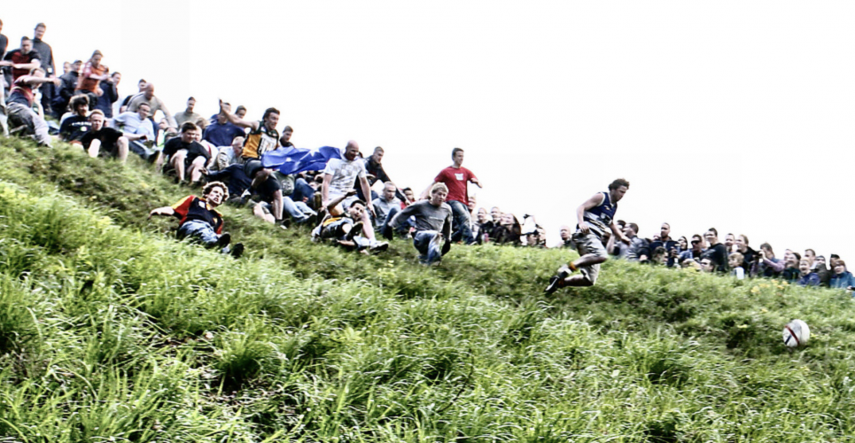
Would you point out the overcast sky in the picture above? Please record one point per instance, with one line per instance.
(732, 114)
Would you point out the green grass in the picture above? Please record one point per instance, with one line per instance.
(110, 330)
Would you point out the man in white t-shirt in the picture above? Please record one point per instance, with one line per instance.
(339, 177)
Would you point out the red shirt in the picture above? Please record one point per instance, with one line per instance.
(196, 208)
(19, 58)
(456, 179)
(86, 82)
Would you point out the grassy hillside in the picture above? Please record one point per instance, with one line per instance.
(112, 330)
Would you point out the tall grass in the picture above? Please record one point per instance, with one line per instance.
(111, 330)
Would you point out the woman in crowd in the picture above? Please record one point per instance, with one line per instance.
(508, 231)
(842, 279)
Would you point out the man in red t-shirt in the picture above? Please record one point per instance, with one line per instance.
(200, 220)
(457, 178)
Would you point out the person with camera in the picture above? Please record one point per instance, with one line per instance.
(765, 264)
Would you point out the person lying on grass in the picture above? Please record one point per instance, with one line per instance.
(200, 220)
(344, 228)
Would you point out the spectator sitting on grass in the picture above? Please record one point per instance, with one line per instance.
(19, 107)
(185, 155)
(432, 220)
(262, 138)
(229, 155)
(735, 262)
(72, 128)
(806, 276)
(221, 132)
(138, 128)
(103, 140)
(200, 220)
(842, 279)
(344, 229)
(234, 177)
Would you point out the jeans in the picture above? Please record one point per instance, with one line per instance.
(462, 230)
(20, 114)
(302, 191)
(298, 210)
(200, 231)
(427, 243)
(3, 125)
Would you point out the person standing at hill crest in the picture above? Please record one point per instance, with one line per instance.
(457, 178)
(594, 217)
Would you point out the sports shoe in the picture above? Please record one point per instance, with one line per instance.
(354, 230)
(557, 281)
(224, 240)
(237, 251)
(379, 247)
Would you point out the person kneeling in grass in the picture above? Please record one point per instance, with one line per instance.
(200, 220)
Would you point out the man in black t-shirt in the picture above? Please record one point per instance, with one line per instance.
(717, 252)
(184, 153)
(75, 127)
(102, 139)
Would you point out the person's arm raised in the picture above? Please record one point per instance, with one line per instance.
(225, 110)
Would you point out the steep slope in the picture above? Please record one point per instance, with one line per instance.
(111, 328)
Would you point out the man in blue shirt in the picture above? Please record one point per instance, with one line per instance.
(221, 132)
(138, 128)
(594, 217)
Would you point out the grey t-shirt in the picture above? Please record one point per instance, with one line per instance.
(382, 208)
(428, 217)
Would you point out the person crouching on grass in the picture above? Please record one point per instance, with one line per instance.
(200, 220)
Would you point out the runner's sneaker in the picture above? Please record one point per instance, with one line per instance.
(557, 281)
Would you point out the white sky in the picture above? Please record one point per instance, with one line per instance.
(730, 114)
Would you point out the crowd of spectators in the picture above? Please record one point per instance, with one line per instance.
(81, 106)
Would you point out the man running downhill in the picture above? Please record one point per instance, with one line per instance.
(594, 217)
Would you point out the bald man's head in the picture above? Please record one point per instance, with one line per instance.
(351, 151)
